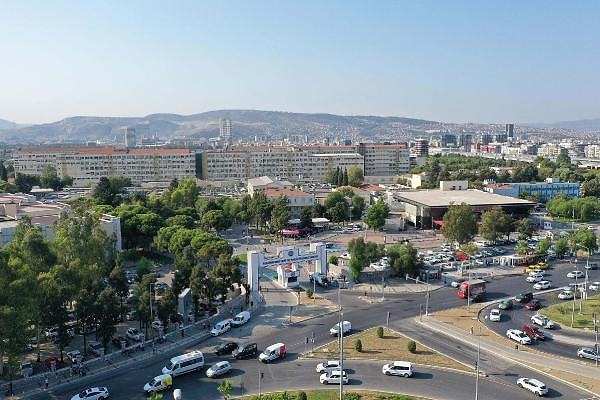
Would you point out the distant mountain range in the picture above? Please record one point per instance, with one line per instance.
(248, 124)
(245, 123)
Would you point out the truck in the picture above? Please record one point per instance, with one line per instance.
(273, 353)
(319, 279)
(473, 289)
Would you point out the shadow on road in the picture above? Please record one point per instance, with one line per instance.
(422, 375)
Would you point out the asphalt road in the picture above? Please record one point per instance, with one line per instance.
(127, 384)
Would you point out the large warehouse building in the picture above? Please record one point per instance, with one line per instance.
(426, 208)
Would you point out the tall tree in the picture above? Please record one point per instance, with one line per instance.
(337, 206)
(404, 259)
(109, 309)
(494, 224)
(358, 206)
(280, 213)
(306, 218)
(355, 176)
(345, 177)
(561, 247)
(522, 248)
(377, 214)
(525, 228)
(460, 224)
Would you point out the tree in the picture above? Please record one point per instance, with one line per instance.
(494, 224)
(460, 223)
(583, 239)
(109, 309)
(185, 195)
(3, 173)
(306, 218)
(542, 247)
(358, 206)
(380, 332)
(333, 259)
(591, 187)
(345, 177)
(404, 259)
(522, 248)
(318, 210)
(143, 267)
(563, 160)
(355, 176)
(215, 219)
(469, 249)
(86, 309)
(225, 388)
(337, 206)
(561, 247)
(26, 182)
(376, 215)
(197, 280)
(525, 228)
(358, 257)
(358, 345)
(280, 213)
(411, 346)
(261, 209)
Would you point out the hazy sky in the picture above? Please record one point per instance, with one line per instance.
(486, 61)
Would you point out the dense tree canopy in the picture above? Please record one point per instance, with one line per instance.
(460, 224)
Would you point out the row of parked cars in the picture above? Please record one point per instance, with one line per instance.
(331, 372)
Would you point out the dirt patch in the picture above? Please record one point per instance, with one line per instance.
(392, 347)
(333, 394)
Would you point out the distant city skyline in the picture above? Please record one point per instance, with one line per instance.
(460, 61)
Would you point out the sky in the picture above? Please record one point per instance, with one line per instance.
(453, 61)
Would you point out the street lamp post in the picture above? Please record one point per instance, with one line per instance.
(151, 316)
(477, 365)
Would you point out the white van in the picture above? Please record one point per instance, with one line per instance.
(221, 327)
(272, 353)
(346, 328)
(241, 318)
(399, 368)
(189, 362)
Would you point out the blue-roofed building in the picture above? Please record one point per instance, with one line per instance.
(543, 191)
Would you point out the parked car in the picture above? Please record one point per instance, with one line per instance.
(220, 368)
(588, 352)
(575, 274)
(505, 305)
(221, 327)
(533, 385)
(333, 377)
(157, 325)
(566, 295)
(327, 366)
(120, 342)
(52, 360)
(594, 286)
(74, 356)
(534, 304)
(95, 393)
(542, 285)
(96, 348)
(524, 297)
(225, 348)
(543, 321)
(135, 334)
(399, 368)
(495, 315)
(518, 336)
(245, 350)
(533, 332)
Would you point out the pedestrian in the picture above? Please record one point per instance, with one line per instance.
(471, 330)
(46, 383)
(251, 303)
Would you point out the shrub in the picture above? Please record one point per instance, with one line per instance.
(380, 332)
(351, 396)
(301, 396)
(358, 345)
(309, 293)
(411, 346)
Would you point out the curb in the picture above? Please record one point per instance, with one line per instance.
(284, 323)
(536, 368)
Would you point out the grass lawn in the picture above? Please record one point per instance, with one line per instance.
(561, 312)
(333, 394)
(392, 347)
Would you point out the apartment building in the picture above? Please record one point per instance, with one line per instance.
(551, 150)
(297, 199)
(86, 165)
(385, 159)
(592, 151)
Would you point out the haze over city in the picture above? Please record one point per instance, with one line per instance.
(445, 61)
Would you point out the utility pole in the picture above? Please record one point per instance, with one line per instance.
(260, 376)
(341, 335)
(382, 288)
(151, 318)
(477, 365)
(596, 342)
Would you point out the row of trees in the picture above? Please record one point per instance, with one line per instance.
(582, 209)
(403, 258)
(344, 177)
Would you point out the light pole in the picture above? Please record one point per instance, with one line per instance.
(341, 334)
(477, 365)
(151, 316)
(596, 342)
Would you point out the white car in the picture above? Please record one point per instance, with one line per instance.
(495, 315)
(75, 356)
(456, 283)
(95, 393)
(534, 278)
(533, 385)
(543, 321)
(327, 366)
(566, 295)
(157, 325)
(594, 286)
(575, 274)
(518, 336)
(542, 285)
(588, 352)
(334, 377)
(221, 327)
(220, 368)
(537, 272)
(135, 334)
(399, 368)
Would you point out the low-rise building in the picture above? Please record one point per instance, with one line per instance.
(266, 182)
(297, 199)
(543, 191)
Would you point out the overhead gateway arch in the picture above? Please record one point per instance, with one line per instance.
(258, 259)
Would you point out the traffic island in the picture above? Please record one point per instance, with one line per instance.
(330, 394)
(391, 347)
(564, 313)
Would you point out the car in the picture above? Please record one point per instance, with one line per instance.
(518, 336)
(533, 332)
(221, 327)
(533, 385)
(220, 368)
(542, 285)
(120, 342)
(543, 321)
(327, 366)
(158, 383)
(74, 356)
(245, 350)
(566, 295)
(95, 393)
(505, 305)
(495, 315)
(131, 315)
(524, 297)
(533, 278)
(96, 348)
(135, 334)
(157, 325)
(456, 283)
(334, 377)
(591, 266)
(537, 272)
(575, 274)
(48, 362)
(534, 304)
(594, 286)
(399, 368)
(588, 352)
(225, 348)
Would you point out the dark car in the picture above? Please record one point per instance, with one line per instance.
(120, 342)
(534, 304)
(48, 362)
(505, 305)
(225, 348)
(533, 332)
(245, 350)
(524, 297)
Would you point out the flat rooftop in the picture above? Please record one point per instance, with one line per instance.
(443, 198)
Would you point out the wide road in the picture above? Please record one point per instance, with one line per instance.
(292, 373)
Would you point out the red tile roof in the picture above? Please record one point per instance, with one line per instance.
(273, 192)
